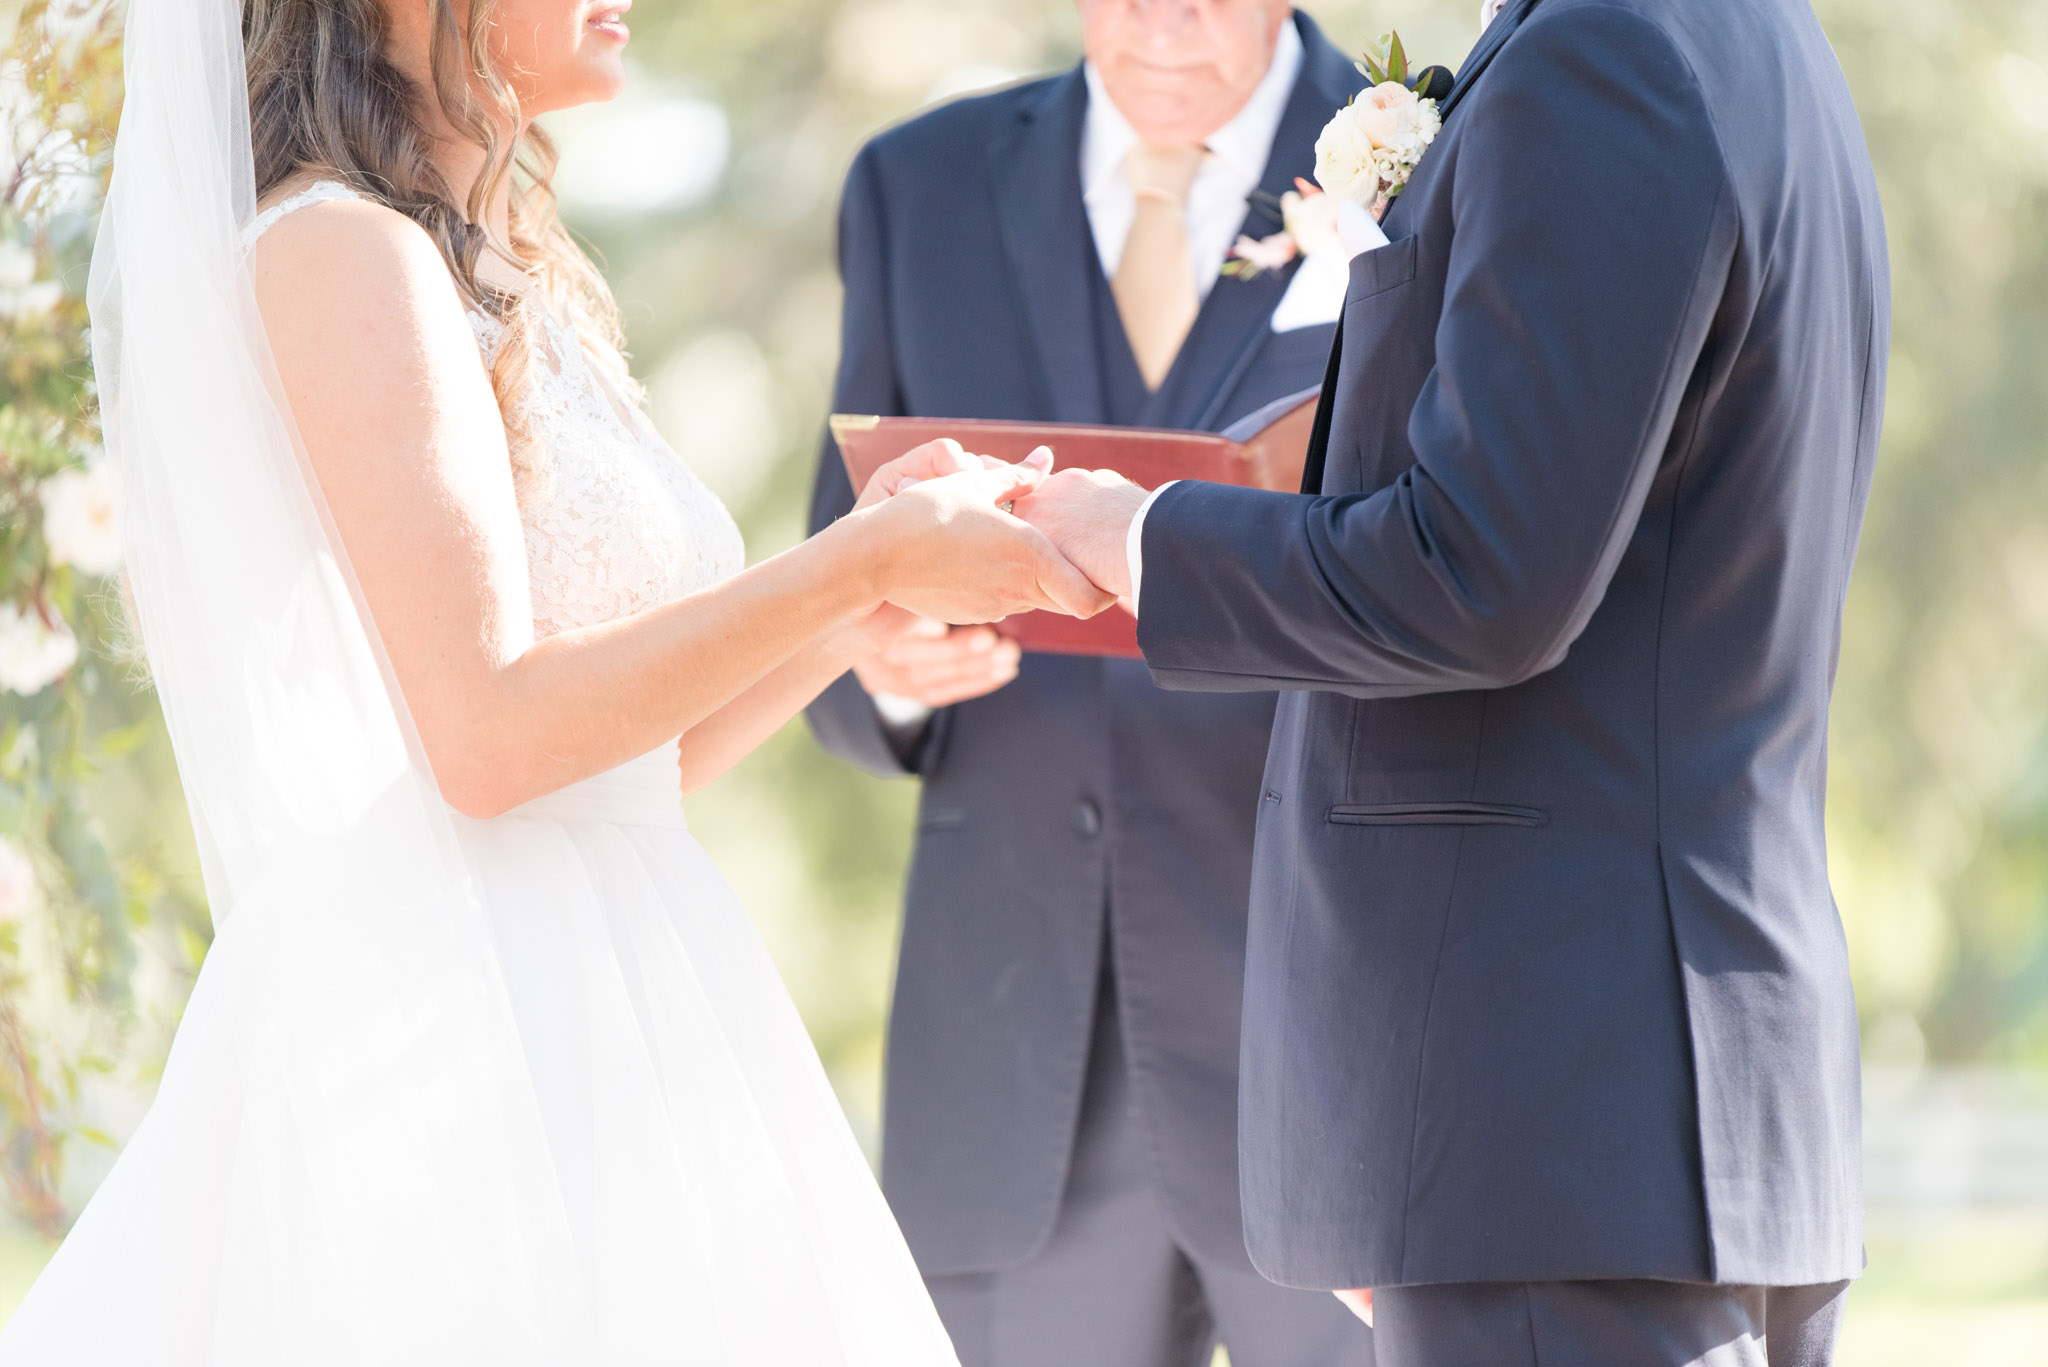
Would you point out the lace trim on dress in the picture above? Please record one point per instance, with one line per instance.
(319, 192)
(617, 524)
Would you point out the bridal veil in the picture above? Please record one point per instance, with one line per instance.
(348, 1162)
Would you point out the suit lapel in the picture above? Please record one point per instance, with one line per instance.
(1497, 33)
(1319, 434)
(1237, 316)
(1036, 172)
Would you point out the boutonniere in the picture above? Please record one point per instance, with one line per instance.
(1308, 224)
(1364, 156)
(1367, 152)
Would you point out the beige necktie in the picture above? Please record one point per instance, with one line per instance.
(1155, 279)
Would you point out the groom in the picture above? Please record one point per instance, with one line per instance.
(1548, 1028)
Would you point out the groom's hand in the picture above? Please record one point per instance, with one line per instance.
(953, 551)
(1087, 515)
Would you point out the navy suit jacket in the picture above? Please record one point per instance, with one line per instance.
(1080, 791)
(1545, 977)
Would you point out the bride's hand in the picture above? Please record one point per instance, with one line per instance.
(933, 460)
(948, 548)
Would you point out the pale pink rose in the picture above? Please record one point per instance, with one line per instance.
(17, 881)
(1384, 111)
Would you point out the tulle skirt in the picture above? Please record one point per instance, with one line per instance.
(706, 1201)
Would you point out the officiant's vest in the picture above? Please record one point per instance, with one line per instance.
(1123, 387)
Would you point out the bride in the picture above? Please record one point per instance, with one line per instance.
(486, 1064)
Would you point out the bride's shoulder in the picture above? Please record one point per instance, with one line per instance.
(345, 283)
(329, 256)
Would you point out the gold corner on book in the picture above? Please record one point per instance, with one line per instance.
(843, 423)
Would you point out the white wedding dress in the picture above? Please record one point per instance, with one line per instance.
(696, 1196)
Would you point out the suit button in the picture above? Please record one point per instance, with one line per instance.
(1088, 820)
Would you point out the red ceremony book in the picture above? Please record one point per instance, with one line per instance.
(1265, 450)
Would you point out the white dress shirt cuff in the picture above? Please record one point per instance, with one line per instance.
(901, 715)
(1134, 541)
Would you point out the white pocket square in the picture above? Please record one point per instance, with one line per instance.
(1316, 294)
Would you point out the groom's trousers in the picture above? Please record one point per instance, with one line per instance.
(1113, 1288)
(1607, 1324)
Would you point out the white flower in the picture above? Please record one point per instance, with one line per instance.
(1311, 220)
(17, 881)
(1374, 143)
(81, 518)
(33, 656)
(20, 294)
(17, 267)
(1344, 165)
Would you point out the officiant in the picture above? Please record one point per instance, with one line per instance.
(1060, 1121)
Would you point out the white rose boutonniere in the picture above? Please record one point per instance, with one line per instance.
(1364, 156)
(1367, 152)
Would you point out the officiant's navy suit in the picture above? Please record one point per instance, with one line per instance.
(1080, 810)
(1546, 984)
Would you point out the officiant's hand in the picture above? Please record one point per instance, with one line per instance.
(949, 548)
(938, 665)
(1087, 514)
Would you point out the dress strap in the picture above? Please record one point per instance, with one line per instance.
(319, 192)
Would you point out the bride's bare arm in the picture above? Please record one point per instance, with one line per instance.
(405, 438)
(732, 733)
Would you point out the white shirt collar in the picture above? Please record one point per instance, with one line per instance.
(1245, 143)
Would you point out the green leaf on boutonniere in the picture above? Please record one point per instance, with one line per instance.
(1397, 59)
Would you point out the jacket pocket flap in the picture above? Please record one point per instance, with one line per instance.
(1436, 814)
(1385, 268)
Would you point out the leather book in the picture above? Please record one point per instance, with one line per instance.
(1264, 450)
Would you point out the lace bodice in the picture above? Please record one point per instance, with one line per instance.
(615, 522)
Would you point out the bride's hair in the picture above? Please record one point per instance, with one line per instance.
(324, 99)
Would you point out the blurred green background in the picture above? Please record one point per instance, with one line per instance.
(709, 193)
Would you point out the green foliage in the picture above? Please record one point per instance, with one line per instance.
(1938, 800)
(1384, 61)
(69, 909)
